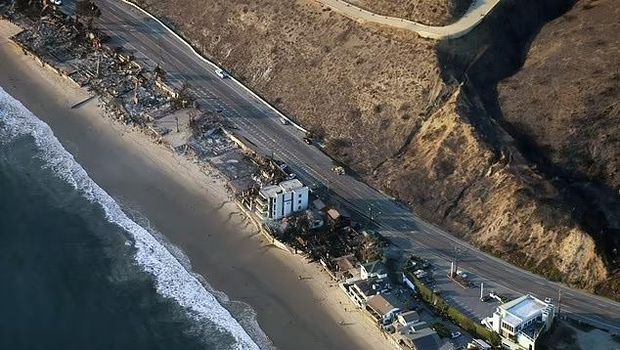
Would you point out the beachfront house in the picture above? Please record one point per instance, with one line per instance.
(361, 291)
(374, 269)
(281, 200)
(408, 318)
(383, 307)
(521, 321)
(422, 339)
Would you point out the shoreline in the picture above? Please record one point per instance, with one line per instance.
(178, 197)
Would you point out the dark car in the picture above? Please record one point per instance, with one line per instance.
(307, 140)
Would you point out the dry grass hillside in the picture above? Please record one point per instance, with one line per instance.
(431, 12)
(330, 73)
(566, 98)
(564, 104)
(379, 101)
(452, 175)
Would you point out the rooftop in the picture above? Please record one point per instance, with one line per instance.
(284, 186)
(333, 214)
(270, 191)
(291, 185)
(381, 304)
(523, 308)
(376, 267)
(371, 286)
(409, 316)
(425, 338)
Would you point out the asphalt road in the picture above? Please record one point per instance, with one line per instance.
(260, 126)
(474, 15)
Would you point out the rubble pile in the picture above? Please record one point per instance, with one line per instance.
(132, 94)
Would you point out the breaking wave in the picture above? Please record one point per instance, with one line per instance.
(172, 278)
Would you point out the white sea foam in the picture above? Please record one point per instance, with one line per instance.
(172, 279)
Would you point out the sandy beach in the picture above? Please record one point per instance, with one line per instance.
(192, 209)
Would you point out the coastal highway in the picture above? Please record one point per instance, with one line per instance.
(474, 15)
(259, 125)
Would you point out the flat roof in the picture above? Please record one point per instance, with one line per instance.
(375, 267)
(270, 191)
(284, 186)
(291, 185)
(523, 308)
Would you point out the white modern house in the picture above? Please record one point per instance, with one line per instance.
(281, 200)
(373, 269)
(521, 321)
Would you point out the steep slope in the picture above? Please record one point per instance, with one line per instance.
(431, 12)
(390, 105)
(495, 200)
(332, 74)
(564, 107)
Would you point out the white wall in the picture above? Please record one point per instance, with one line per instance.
(286, 203)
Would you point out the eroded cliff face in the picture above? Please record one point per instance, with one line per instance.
(391, 106)
(564, 100)
(563, 106)
(493, 199)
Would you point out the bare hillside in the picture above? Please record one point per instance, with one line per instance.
(380, 101)
(564, 105)
(431, 12)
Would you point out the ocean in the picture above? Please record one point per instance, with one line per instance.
(76, 272)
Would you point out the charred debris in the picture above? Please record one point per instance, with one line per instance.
(137, 94)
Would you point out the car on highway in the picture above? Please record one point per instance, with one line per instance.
(308, 140)
(338, 170)
(283, 121)
(221, 73)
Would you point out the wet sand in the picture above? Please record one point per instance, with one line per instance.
(179, 200)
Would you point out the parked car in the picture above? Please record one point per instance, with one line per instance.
(308, 140)
(56, 2)
(221, 73)
(338, 170)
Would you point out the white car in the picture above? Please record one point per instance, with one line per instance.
(221, 73)
(56, 2)
(283, 121)
(455, 334)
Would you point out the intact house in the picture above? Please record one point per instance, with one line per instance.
(521, 321)
(422, 339)
(408, 318)
(279, 201)
(374, 269)
(383, 307)
(361, 291)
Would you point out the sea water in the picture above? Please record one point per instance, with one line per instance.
(77, 273)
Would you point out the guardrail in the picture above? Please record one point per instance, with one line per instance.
(193, 50)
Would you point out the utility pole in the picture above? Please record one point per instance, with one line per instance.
(559, 300)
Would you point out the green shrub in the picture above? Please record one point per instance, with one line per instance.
(455, 315)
